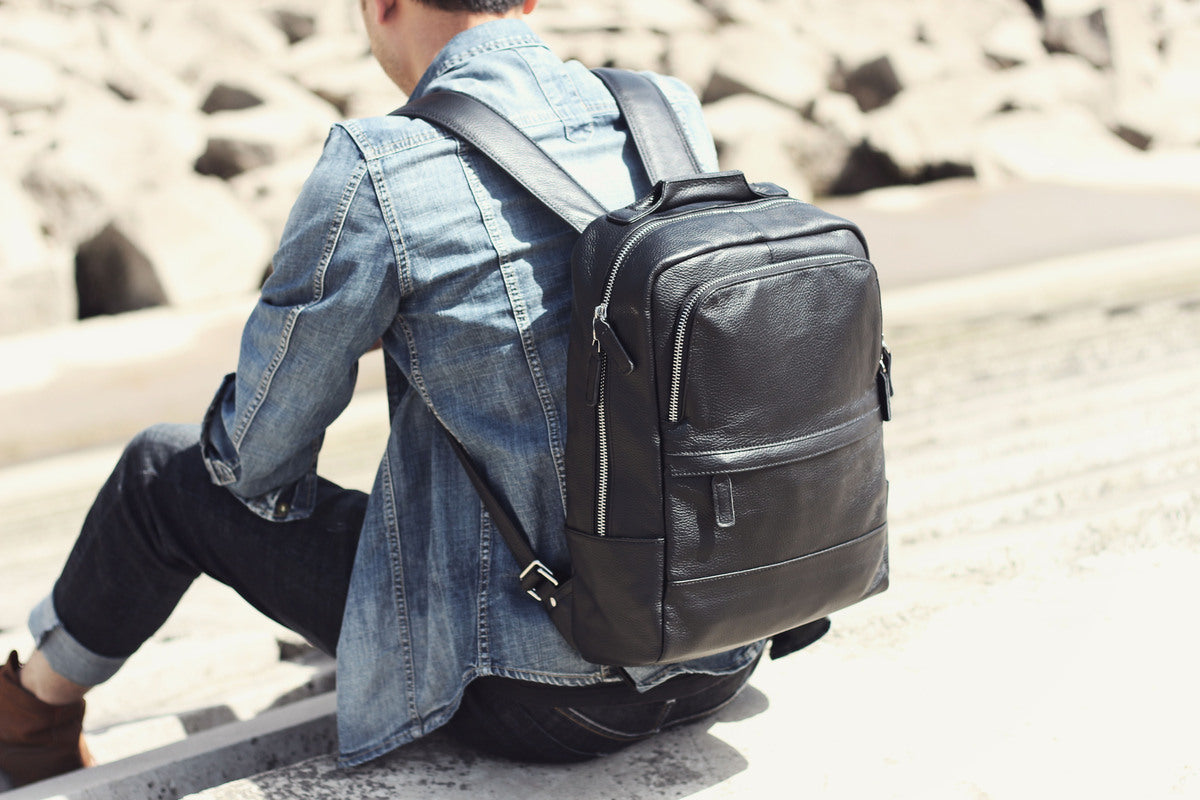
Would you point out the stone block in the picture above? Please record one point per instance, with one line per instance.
(766, 60)
(665, 16)
(761, 139)
(1085, 36)
(99, 151)
(926, 133)
(119, 63)
(1055, 81)
(200, 240)
(30, 82)
(690, 58)
(1064, 144)
(35, 279)
(1013, 41)
(270, 192)
(353, 83)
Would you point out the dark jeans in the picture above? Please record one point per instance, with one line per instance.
(159, 522)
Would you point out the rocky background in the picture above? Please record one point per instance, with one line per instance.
(151, 148)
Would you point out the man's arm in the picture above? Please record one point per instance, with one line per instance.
(333, 293)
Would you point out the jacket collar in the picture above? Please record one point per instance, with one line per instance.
(500, 34)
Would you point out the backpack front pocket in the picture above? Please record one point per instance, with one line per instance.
(789, 531)
(745, 508)
(774, 350)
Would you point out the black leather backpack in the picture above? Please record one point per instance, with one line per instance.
(727, 384)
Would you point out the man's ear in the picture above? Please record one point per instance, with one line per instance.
(529, 6)
(382, 10)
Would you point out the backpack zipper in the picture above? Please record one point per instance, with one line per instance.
(601, 314)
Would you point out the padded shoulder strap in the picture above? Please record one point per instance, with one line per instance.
(504, 143)
(656, 130)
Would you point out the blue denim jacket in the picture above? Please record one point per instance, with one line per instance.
(403, 233)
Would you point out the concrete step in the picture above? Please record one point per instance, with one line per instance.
(1045, 498)
(282, 736)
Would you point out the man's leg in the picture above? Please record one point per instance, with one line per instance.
(554, 724)
(155, 526)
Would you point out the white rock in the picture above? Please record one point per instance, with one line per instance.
(929, 130)
(692, 59)
(839, 113)
(762, 139)
(1071, 8)
(1014, 40)
(270, 192)
(767, 61)
(1167, 113)
(1065, 144)
(36, 288)
(355, 87)
(639, 50)
(100, 151)
(1134, 38)
(1182, 47)
(188, 38)
(125, 67)
(1086, 36)
(199, 238)
(564, 17)
(1054, 81)
(665, 16)
(28, 82)
(740, 11)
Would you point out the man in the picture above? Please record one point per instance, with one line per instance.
(401, 234)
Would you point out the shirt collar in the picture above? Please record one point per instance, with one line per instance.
(500, 34)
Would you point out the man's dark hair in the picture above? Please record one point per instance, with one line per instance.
(476, 6)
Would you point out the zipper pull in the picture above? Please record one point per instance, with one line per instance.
(606, 339)
(593, 377)
(883, 381)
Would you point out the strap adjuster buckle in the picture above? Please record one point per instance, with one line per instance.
(545, 573)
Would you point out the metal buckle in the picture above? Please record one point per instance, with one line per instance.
(545, 572)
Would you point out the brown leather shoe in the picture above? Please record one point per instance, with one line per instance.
(37, 740)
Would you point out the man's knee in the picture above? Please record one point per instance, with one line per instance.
(150, 451)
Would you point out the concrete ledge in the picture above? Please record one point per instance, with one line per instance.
(1111, 276)
(274, 739)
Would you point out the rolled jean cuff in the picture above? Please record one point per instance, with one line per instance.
(67, 656)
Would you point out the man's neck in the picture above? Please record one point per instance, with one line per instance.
(430, 30)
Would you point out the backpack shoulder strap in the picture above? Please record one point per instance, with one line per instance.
(505, 144)
(657, 134)
(656, 130)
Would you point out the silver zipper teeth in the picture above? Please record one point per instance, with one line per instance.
(602, 469)
(601, 417)
(681, 335)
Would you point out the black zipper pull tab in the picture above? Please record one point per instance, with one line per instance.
(883, 381)
(604, 335)
(593, 377)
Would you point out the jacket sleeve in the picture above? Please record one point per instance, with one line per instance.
(332, 293)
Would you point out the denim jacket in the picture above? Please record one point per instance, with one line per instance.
(402, 233)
